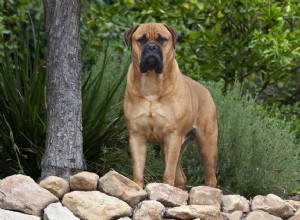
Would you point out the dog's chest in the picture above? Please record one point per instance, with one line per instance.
(153, 120)
(152, 116)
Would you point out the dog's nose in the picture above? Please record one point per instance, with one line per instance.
(151, 47)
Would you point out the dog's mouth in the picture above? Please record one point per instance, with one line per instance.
(152, 59)
(151, 63)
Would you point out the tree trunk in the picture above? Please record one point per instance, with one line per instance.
(64, 153)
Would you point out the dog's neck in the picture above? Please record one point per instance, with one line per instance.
(152, 86)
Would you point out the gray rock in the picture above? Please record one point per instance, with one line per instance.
(91, 205)
(21, 193)
(56, 211)
(149, 210)
(119, 186)
(167, 195)
(10, 215)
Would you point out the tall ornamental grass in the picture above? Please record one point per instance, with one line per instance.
(103, 126)
(23, 109)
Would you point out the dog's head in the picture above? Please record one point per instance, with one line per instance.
(152, 46)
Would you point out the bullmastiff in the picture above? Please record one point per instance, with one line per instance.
(164, 107)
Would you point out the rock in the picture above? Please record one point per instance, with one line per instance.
(56, 211)
(84, 181)
(10, 215)
(91, 205)
(272, 204)
(231, 203)
(296, 216)
(166, 194)
(21, 193)
(261, 215)
(236, 215)
(149, 210)
(56, 185)
(124, 218)
(119, 186)
(204, 212)
(294, 204)
(205, 195)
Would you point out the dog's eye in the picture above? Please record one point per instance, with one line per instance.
(142, 40)
(161, 40)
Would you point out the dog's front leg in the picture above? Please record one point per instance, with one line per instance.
(138, 151)
(171, 148)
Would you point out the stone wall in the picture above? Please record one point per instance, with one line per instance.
(114, 197)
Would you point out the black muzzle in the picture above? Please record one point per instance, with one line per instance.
(152, 58)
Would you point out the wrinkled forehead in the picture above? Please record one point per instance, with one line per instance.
(152, 31)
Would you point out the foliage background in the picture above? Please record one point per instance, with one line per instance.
(253, 42)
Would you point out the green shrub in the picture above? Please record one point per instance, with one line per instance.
(257, 154)
(19, 17)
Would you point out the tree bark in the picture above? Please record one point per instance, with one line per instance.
(64, 152)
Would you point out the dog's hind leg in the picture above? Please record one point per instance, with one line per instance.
(180, 178)
(207, 139)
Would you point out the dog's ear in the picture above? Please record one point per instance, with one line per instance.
(128, 34)
(174, 34)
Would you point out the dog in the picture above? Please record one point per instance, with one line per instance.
(164, 107)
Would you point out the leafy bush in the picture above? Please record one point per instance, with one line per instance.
(19, 17)
(257, 153)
